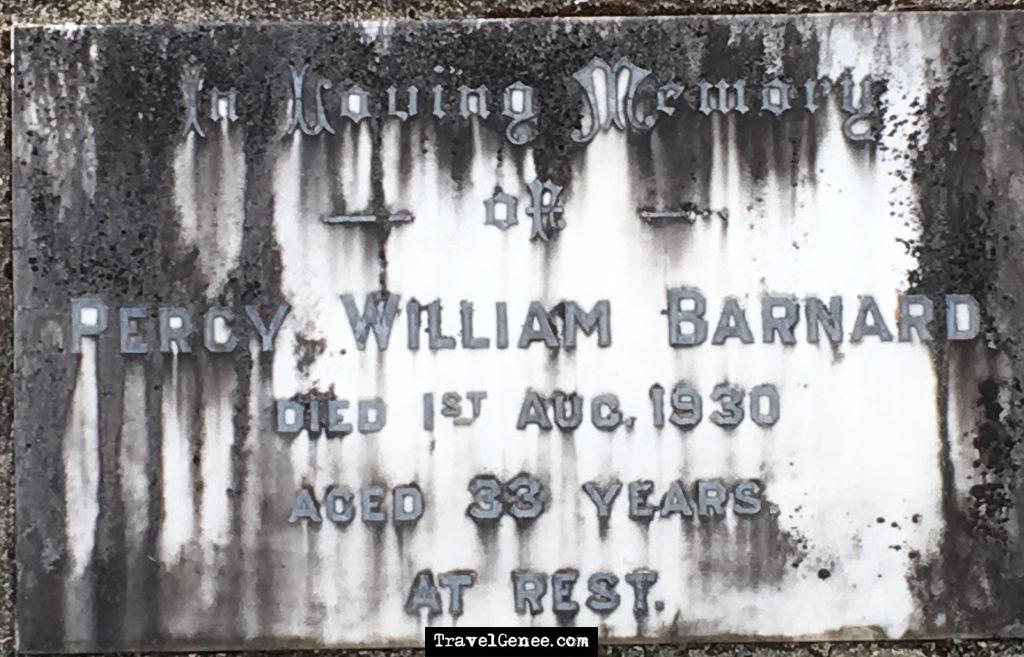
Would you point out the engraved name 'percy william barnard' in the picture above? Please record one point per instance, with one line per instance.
(690, 323)
(685, 328)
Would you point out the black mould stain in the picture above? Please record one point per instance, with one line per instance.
(970, 242)
(307, 350)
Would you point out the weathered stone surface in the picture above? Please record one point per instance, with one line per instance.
(938, 242)
(107, 11)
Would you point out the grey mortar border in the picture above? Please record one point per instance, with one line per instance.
(23, 12)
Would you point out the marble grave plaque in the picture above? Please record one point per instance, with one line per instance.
(701, 328)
